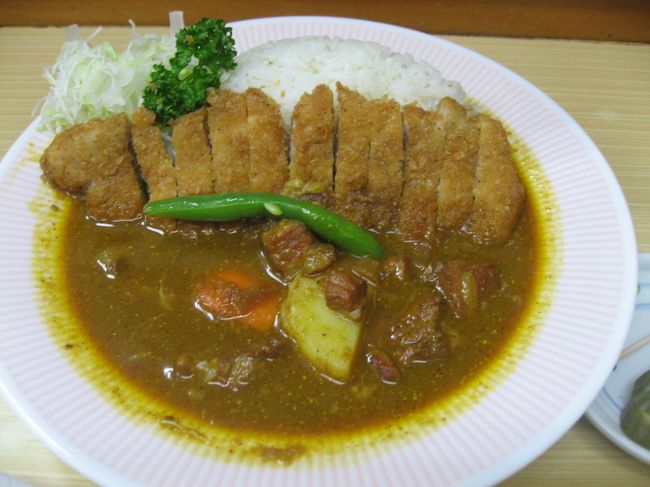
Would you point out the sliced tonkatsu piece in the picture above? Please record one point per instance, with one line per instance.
(94, 159)
(352, 156)
(269, 167)
(499, 193)
(456, 187)
(386, 158)
(156, 165)
(193, 160)
(425, 149)
(311, 171)
(228, 127)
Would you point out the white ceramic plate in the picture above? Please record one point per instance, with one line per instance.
(564, 368)
(605, 411)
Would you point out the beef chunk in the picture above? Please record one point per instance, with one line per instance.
(286, 245)
(417, 335)
(383, 365)
(221, 298)
(396, 267)
(344, 290)
(465, 285)
(320, 257)
(235, 370)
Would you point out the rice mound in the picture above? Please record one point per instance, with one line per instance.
(288, 68)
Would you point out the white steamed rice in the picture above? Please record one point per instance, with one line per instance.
(288, 68)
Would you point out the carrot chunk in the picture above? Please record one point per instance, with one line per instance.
(240, 278)
(264, 312)
(237, 294)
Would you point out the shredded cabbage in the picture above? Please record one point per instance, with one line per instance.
(96, 81)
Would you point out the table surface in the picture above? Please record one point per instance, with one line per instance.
(612, 20)
(605, 86)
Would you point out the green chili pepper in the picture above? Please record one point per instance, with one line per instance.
(233, 206)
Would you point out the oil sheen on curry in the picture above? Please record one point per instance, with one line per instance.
(259, 324)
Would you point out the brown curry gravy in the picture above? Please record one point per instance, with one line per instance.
(131, 333)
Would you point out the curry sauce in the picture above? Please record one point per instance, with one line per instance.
(131, 290)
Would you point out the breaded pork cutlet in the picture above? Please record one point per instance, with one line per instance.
(269, 166)
(94, 159)
(156, 165)
(385, 161)
(193, 160)
(228, 128)
(311, 172)
(425, 149)
(499, 193)
(456, 188)
(352, 156)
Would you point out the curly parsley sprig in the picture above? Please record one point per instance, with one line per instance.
(204, 51)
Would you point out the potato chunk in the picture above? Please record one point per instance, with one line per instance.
(328, 340)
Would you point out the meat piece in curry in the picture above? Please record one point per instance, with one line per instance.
(383, 365)
(286, 246)
(237, 369)
(216, 334)
(344, 290)
(320, 256)
(416, 334)
(465, 286)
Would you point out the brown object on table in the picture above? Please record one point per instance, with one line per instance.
(627, 20)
